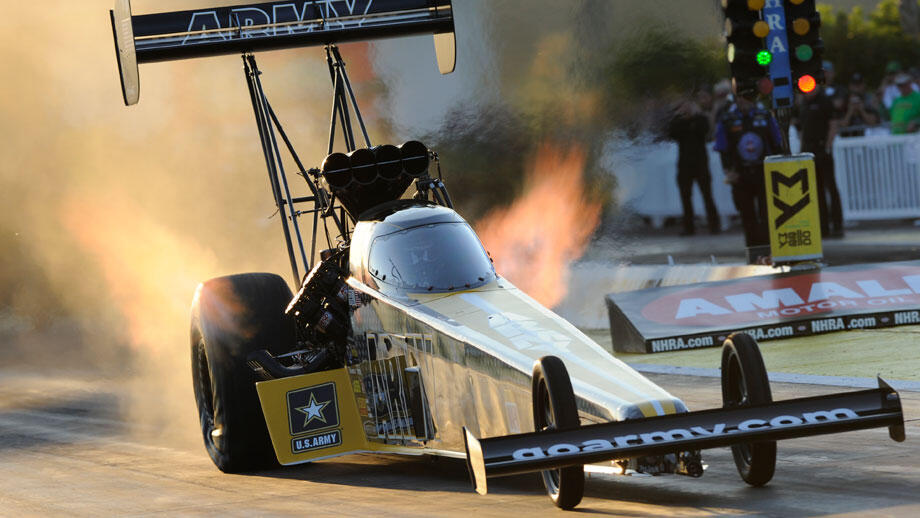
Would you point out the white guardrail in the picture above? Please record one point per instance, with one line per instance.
(646, 174)
(878, 177)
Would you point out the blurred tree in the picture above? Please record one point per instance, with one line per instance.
(910, 16)
(654, 66)
(857, 42)
(574, 72)
(662, 62)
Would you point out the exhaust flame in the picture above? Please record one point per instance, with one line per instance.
(534, 240)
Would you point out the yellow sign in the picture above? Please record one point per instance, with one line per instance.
(312, 416)
(317, 416)
(793, 217)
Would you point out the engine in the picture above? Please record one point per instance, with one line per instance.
(320, 311)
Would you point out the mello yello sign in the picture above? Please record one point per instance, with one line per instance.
(792, 208)
(889, 293)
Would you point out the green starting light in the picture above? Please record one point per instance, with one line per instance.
(804, 53)
(764, 58)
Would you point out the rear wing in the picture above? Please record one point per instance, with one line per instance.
(271, 26)
(803, 417)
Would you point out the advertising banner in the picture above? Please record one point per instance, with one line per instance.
(783, 305)
(793, 218)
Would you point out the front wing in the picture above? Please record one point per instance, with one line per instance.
(312, 416)
(802, 417)
(318, 415)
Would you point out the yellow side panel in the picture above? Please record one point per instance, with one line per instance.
(312, 416)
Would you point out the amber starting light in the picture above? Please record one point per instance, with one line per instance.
(801, 26)
(761, 29)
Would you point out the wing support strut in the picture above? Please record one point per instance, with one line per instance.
(344, 104)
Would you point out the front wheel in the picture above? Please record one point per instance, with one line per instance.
(231, 317)
(745, 383)
(554, 409)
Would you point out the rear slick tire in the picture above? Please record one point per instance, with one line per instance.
(231, 317)
(745, 383)
(554, 408)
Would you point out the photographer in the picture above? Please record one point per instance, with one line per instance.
(689, 127)
(860, 110)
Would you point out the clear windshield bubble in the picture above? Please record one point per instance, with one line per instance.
(435, 257)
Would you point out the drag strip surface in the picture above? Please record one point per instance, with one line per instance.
(65, 450)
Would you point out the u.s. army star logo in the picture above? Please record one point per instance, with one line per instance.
(313, 411)
(312, 408)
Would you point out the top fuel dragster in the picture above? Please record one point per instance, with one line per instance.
(402, 338)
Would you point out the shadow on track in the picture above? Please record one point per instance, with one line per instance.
(426, 473)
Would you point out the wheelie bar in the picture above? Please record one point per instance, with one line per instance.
(802, 417)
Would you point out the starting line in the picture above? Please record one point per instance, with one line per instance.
(780, 377)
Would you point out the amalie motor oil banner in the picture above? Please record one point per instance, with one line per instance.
(783, 305)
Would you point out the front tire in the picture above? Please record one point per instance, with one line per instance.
(745, 383)
(231, 317)
(554, 408)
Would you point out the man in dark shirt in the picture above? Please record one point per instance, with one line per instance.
(744, 137)
(815, 113)
(690, 128)
(838, 94)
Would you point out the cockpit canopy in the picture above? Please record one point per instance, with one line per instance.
(433, 257)
(422, 248)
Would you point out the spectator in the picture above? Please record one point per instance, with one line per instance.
(888, 90)
(830, 87)
(914, 74)
(816, 113)
(690, 129)
(836, 93)
(704, 98)
(860, 111)
(905, 110)
(744, 137)
(722, 101)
